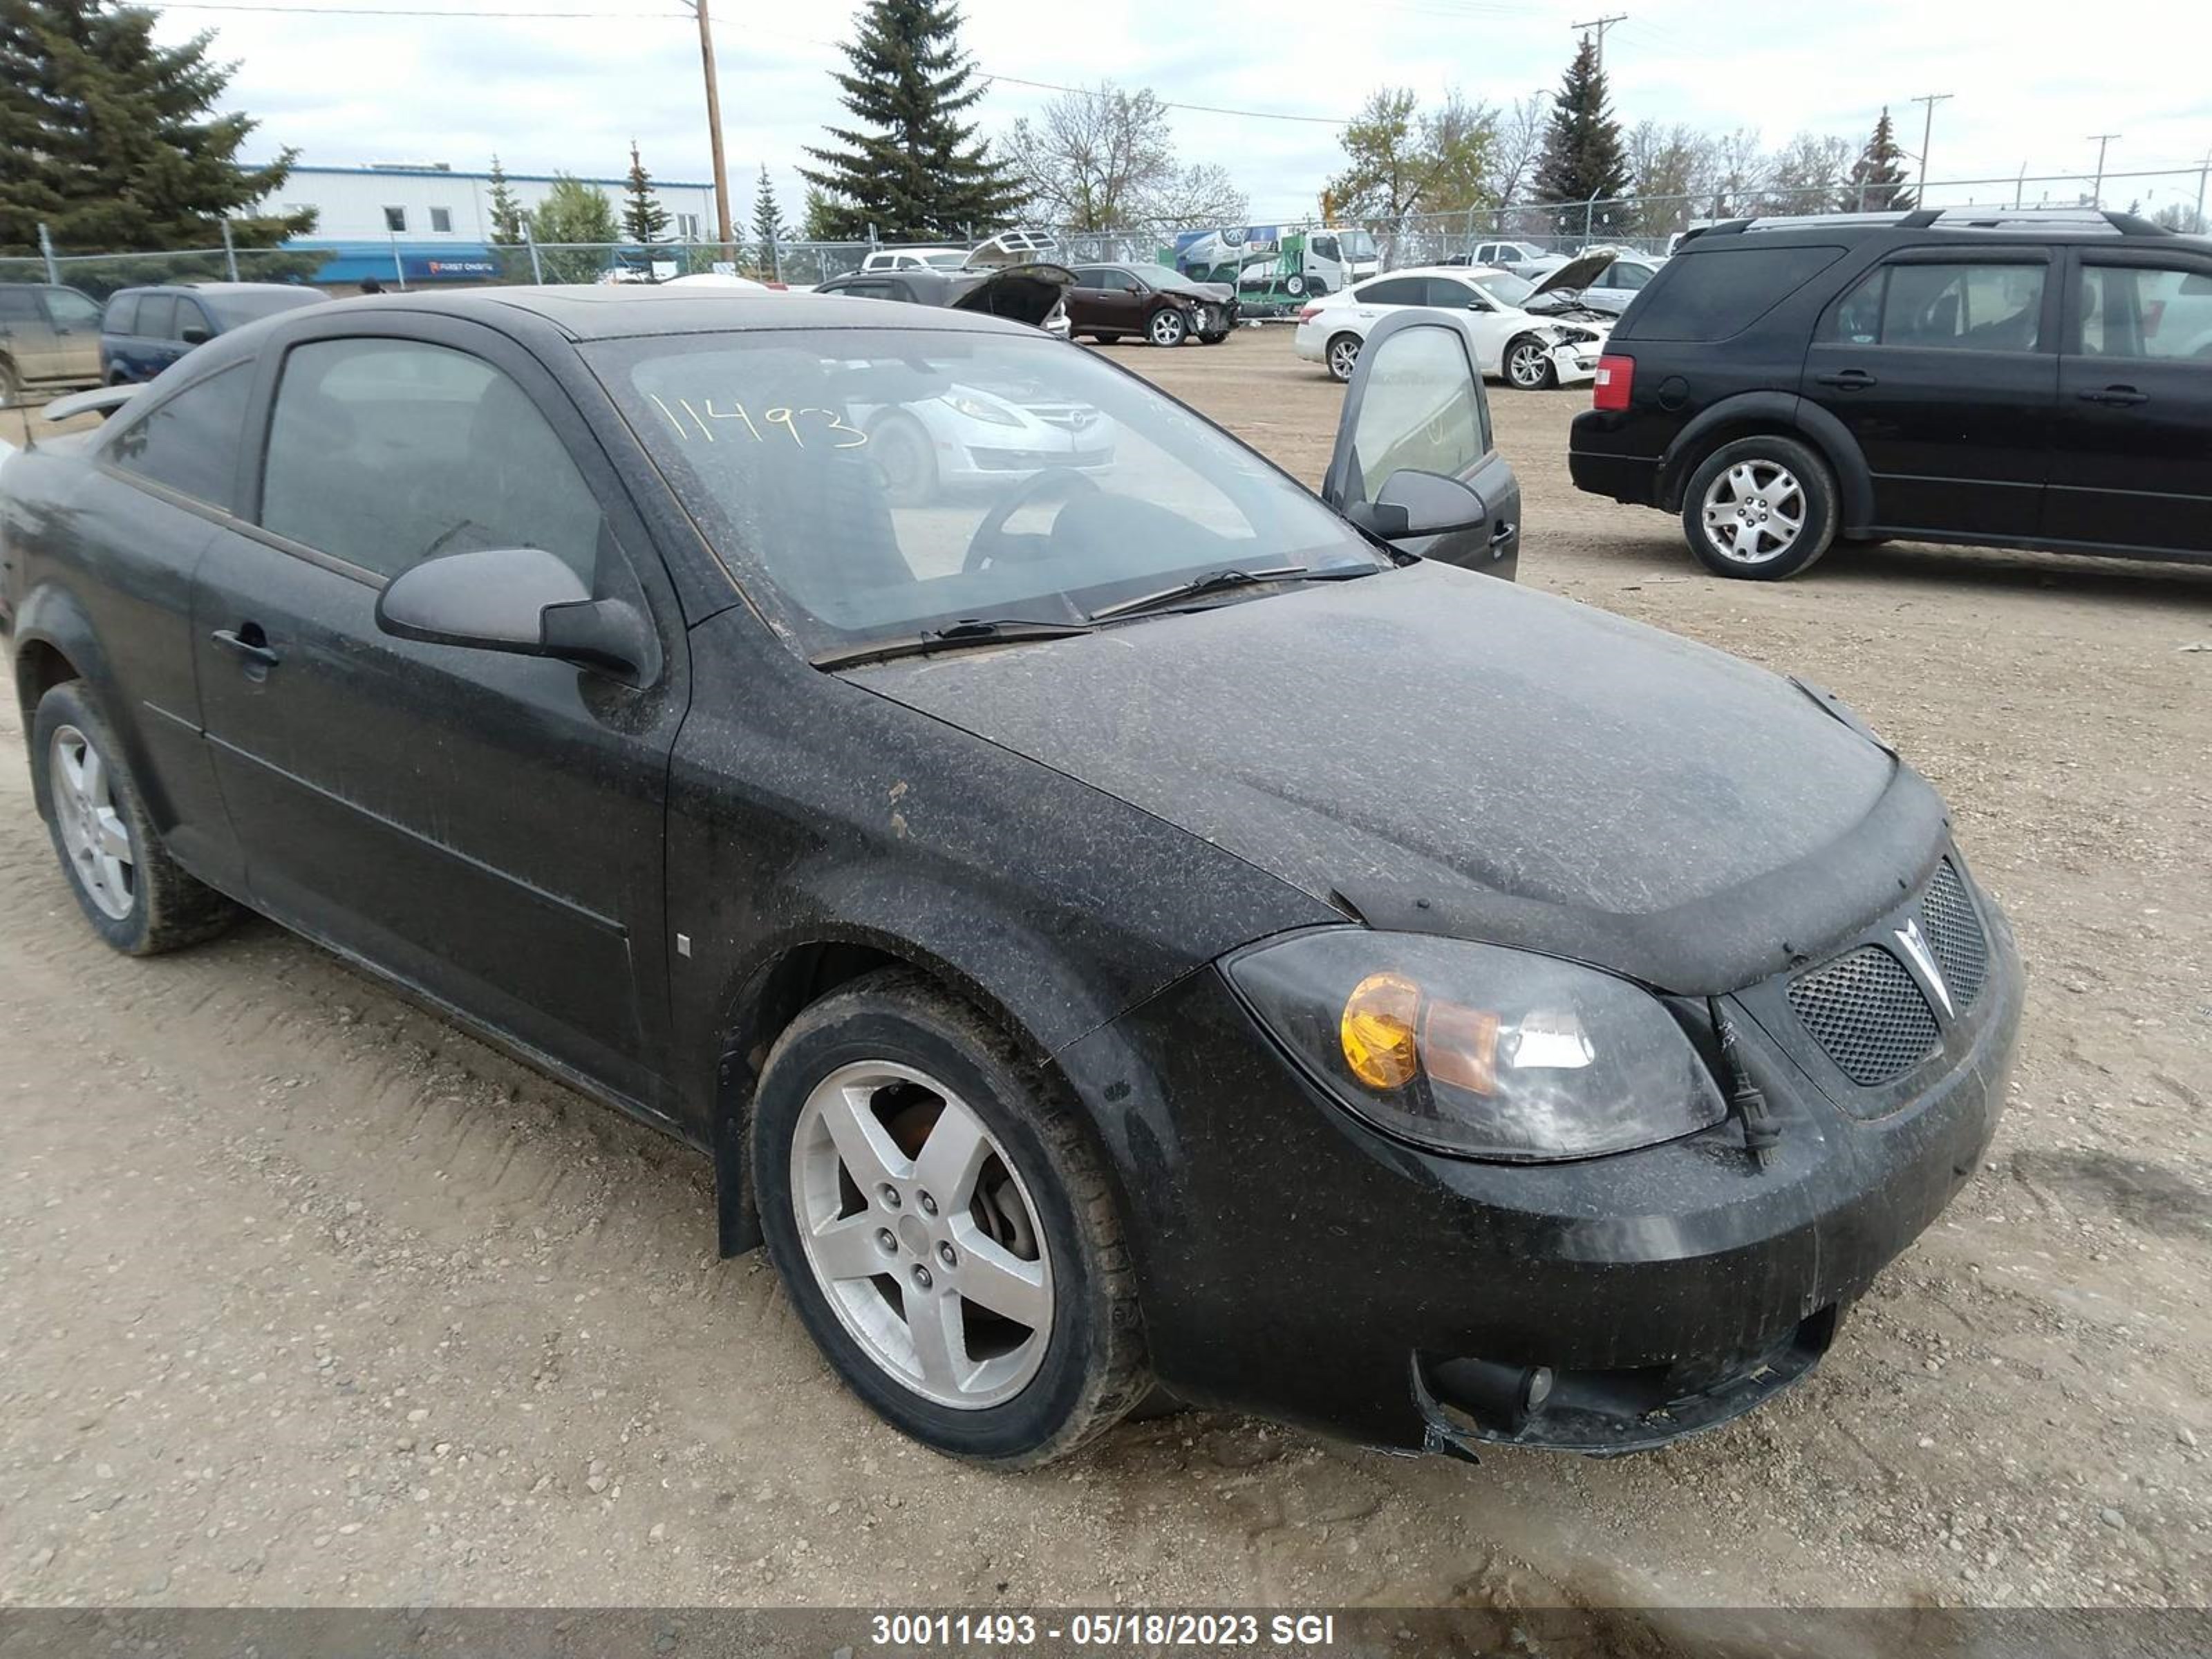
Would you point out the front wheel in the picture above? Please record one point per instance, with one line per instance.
(1762, 508)
(1168, 327)
(943, 1227)
(1528, 366)
(903, 456)
(133, 894)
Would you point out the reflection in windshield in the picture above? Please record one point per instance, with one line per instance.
(873, 484)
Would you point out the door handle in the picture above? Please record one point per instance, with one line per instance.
(1503, 534)
(2114, 394)
(1848, 380)
(253, 653)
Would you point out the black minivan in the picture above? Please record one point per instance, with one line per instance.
(2019, 379)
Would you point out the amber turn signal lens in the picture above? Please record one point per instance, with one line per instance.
(1379, 1030)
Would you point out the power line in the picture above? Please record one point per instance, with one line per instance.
(1601, 24)
(1203, 109)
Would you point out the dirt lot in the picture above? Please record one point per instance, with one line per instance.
(310, 1299)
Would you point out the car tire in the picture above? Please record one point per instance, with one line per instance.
(1167, 327)
(1762, 508)
(1529, 365)
(889, 1065)
(1213, 338)
(905, 460)
(1295, 286)
(1341, 355)
(134, 895)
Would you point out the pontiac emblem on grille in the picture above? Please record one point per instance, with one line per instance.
(1916, 947)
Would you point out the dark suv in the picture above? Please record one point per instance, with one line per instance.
(2020, 380)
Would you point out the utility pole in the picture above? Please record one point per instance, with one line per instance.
(1927, 137)
(1601, 24)
(2203, 168)
(713, 126)
(2097, 195)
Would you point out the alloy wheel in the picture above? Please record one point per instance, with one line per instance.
(921, 1235)
(92, 832)
(1343, 357)
(1167, 327)
(1754, 512)
(1528, 367)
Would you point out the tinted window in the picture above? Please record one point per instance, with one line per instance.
(1394, 291)
(1709, 295)
(2141, 311)
(70, 309)
(1444, 292)
(190, 315)
(1090, 276)
(385, 452)
(872, 288)
(190, 443)
(19, 304)
(1957, 307)
(1624, 276)
(1420, 407)
(157, 315)
(122, 316)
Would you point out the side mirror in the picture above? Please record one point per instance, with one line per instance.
(193, 334)
(1412, 504)
(522, 600)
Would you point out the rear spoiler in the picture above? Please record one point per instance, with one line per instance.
(103, 401)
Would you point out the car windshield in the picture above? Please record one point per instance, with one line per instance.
(1503, 286)
(871, 485)
(1159, 276)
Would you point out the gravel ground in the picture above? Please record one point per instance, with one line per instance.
(312, 1299)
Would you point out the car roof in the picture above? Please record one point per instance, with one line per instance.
(1436, 271)
(615, 310)
(1965, 226)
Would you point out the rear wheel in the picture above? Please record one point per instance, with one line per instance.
(1529, 365)
(944, 1226)
(1167, 327)
(1342, 355)
(1762, 507)
(133, 894)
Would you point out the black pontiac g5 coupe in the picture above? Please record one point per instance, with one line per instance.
(1145, 926)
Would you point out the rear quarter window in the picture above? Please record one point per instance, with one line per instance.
(122, 316)
(1715, 294)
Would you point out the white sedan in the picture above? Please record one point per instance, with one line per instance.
(1521, 342)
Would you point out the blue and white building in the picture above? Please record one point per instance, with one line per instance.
(425, 222)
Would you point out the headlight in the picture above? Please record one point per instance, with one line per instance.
(1480, 1050)
(976, 410)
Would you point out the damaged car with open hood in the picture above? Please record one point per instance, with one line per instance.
(1139, 927)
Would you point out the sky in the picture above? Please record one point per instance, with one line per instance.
(2031, 81)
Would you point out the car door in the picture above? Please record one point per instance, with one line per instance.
(142, 353)
(74, 323)
(26, 340)
(2134, 421)
(1416, 403)
(1372, 301)
(1942, 365)
(486, 827)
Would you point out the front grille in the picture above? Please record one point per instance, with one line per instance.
(1867, 1014)
(1954, 934)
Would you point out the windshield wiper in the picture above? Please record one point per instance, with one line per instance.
(1215, 582)
(953, 636)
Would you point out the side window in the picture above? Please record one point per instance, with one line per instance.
(190, 442)
(18, 305)
(1420, 407)
(122, 316)
(1625, 277)
(385, 453)
(2143, 311)
(190, 316)
(1394, 291)
(157, 316)
(1962, 306)
(1714, 295)
(70, 309)
(1447, 293)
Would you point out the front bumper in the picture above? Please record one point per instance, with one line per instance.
(1575, 362)
(1298, 1263)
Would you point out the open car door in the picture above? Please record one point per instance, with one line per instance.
(1415, 462)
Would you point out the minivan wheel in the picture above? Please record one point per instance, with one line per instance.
(943, 1226)
(1761, 508)
(1343, 356)
(1529, 365)
(133, 894)
(1167, 327)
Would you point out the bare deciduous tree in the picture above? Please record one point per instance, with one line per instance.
(1103, 158)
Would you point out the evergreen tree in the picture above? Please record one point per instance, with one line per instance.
(506, 211)
(769, 228)
(111, 142)
(643, 218)
(1582, 152)
(910, 165)
(821, 221)
(1876, 180)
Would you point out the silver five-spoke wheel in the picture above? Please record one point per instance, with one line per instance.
(921, 1235)
(92, 832)
(1755, 511)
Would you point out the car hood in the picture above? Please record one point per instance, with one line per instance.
(1437, 750)
(1577, 273)
(1215, 292)
(1026, 294)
